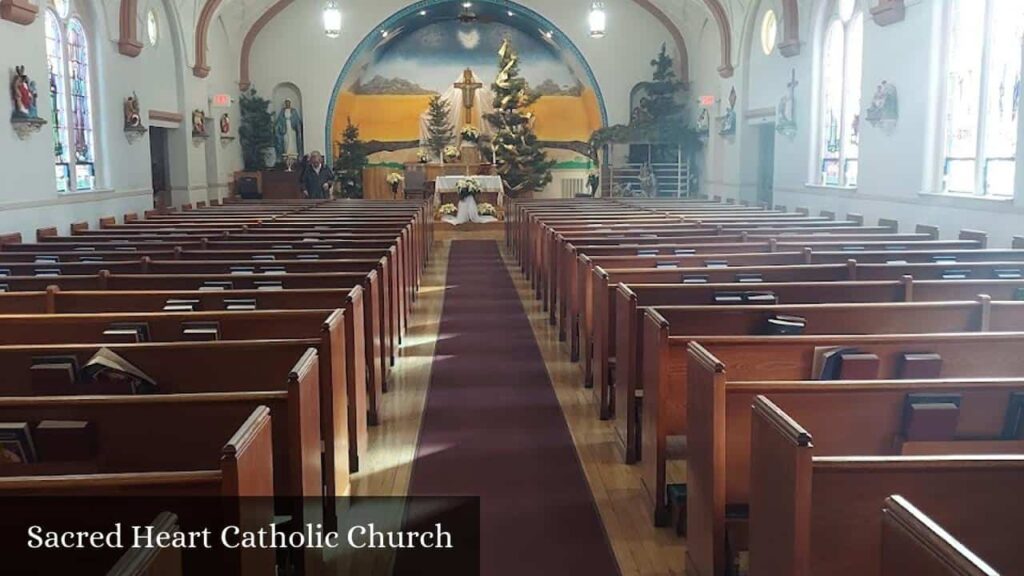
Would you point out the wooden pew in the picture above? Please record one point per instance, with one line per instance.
(819, 514)
(152, 561)
(912, 543)
(179, 462)
(718, 433)
(666, 404)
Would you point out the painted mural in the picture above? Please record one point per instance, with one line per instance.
(388, 93)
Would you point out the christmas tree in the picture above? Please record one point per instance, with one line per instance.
(439, 128)
(352, 158)
(660, 103)
(521, 160)
(255, 130)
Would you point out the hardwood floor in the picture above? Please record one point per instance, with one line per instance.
(639, 548)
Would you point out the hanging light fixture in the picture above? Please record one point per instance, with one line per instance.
(598, 20)
(332, 19)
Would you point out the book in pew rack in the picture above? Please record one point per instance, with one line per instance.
(16, 445)
(112, 374)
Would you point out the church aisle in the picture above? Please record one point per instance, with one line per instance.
(493, 427)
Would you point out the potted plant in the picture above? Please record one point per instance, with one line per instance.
(395, 181)
(487, 209)
(467, 187)
(448, 209)
(451, 153)
(423, 156)
(470, 134)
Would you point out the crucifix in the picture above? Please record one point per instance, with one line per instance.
(469, 88)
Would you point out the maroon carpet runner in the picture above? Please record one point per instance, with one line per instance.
(492, 427)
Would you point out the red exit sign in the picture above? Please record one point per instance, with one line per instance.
(707, 100)
(221, 101)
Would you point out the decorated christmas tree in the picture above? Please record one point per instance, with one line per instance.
(255, 130)
(352, 158)
(520, 159)
(661, 105)
(439, 127)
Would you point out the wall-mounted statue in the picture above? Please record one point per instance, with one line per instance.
(132, 117)
(288, 132)
(225, 124)
(884, 110)
(198, 124)
(728, 120)
(24, 111)
(785, 114)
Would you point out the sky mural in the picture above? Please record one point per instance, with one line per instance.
(387, 94)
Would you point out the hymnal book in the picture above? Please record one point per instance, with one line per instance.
(760, 298)
(943, 259)
(958, 274)
(695, 279)
(685, 251)
(653, 252)
(243, 270)
(1013, 425)
(200, 331)
(179, 307)
(5, 271)
(84, 248)
(852, 248)
(121, 336)
(282, 247)
(754, 278)
(895, 247)
(139, 331)
(47, 272)
(4, 288)
(930, 417)
(666, 265)
(784, 325)
(222, 284)
(308, 257)
(240, 307)
(210, 288)
(858, 366)
(716, 263)
(188, 301)
(47, 259)
(124, 248)
(920, 366)
(322, 247)
(896, 262)
(239, 304)
(728, 298)
(273, 270)
(91, 259)
(1008, 273)
(54, 375)
(826, 361)
(16, 445)
(269, 286)
(65, 441)
(112, 374)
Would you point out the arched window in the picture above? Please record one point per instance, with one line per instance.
(841, 64)
(983, 83)
(67, 55)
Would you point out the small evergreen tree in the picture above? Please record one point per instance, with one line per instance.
(520, 158)
(255, 130)
(661, 103)
(352, 158)
(440, 132)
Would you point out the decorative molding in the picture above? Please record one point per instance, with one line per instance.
(244, 82)
(790, 45)
(889, 12)
(18, 11)
(128, 43)
(726, 69)
(201, 69)
(164, 116)
(677, 37)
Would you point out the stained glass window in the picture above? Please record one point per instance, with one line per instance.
(152, 27)
(983, 83)
(841, 65)
(769, 32)
(58, 116)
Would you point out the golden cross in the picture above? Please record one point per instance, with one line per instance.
(469, 88)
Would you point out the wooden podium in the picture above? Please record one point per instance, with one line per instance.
(280, 185)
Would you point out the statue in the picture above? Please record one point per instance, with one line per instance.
(468, 86)
(198, 124)
(884, 109)
(288, 132)
(225, 124)
(132, 118)
(728, 121)
(24, 95)
(785, 114)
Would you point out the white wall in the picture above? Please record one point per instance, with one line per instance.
(899, 169)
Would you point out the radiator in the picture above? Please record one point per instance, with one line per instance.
(573, 186)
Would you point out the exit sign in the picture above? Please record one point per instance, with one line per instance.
(707, 100)
(220, 101)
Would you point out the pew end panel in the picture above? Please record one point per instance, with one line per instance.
(912, 543)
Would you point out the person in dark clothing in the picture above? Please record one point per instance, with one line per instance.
(316, 179)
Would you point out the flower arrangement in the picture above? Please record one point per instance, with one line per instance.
(395, 181)
(448, 209)
(470, 134)
(423, 156)
(451, 153)
(467, 187)
(487, 209)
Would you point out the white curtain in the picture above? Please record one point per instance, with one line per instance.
(482, 104)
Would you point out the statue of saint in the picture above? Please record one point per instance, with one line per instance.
(132, 118)
(24, 94)
(288, 132)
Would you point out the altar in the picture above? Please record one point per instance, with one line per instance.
(491, 190)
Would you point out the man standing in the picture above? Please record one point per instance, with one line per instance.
(316, 178)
